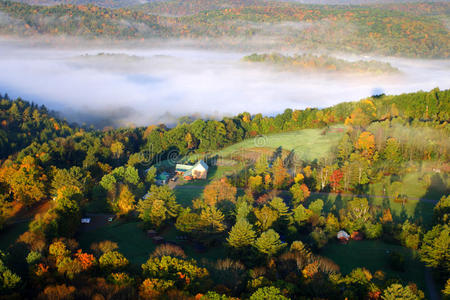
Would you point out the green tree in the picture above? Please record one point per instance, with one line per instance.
(279, 206)
(117, 149)
(345, 148)
(269, 243)
(112, 261)
(159, 205)
(301, 215)
(8, 279)
(268, 293)
(261, 165)
(392, 153)
(183, 272)
(442, 210)
(316, 206)
(211, 220)
(150, 175)
(332, 225)
(373, 231)
(28, 182)
(398, 292)
(299, 193)
(68, 267)
(265, 216)
(435, 245)
(358, 212)
(255, 183)
(446, 290)
(58, 249)
(241, 234)
(73, 177)
(187, 221)
(68, 210)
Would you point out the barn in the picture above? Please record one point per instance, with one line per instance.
(197, 171)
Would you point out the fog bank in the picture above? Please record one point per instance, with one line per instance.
(159, 84)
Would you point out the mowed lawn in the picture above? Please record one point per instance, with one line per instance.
(307, 144)
(132, 240)
(413, 185)
(185, 196)
(374, 256)
(137, 246)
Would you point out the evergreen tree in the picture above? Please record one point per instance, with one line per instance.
(269, 242)
(241, 234)
(435, 245)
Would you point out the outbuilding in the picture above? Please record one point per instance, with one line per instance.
(343, 236)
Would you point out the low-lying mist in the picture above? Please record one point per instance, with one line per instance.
(117, 85)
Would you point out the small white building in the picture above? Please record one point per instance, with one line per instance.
(342, 235)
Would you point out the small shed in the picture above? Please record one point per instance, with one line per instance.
(343, 235)
(162, 178)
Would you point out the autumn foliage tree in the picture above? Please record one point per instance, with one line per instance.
(299, 193)
(26, 181)
(280, 174)
(219, 190)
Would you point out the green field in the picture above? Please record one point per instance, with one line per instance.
(307, 144)
(413, 185)
(185, 196)
(373, 255)
(132, 241)
(136, 246)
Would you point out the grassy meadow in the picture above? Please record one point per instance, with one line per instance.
(374, 256)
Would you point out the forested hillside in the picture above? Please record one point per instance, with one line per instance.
(23, 123)
(403, 30)
(320, 63)
(267, 229)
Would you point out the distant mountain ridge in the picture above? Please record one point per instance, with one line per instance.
(411, 30)
(102, 3)
(131, 3)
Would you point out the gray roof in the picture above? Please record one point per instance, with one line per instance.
(182, 168)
